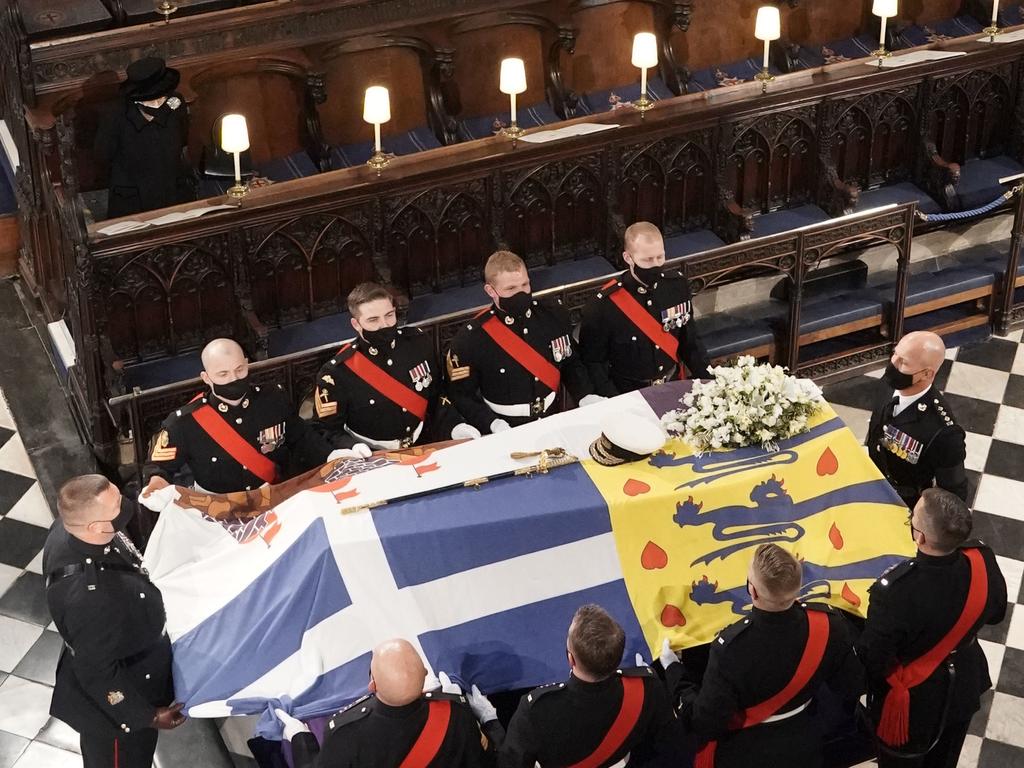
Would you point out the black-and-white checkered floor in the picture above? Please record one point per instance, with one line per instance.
(984, 384)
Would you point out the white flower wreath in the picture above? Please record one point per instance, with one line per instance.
(745, 404)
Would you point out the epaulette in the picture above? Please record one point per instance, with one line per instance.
(974, 544)
(442, 696)
(940, 407)
(197, 402)
(357, 710)
(344, 352)
(823, 607)
(673, 274)
(731, 632)
(536, 693)
(606, 289)
(893, 573)
(636, 672)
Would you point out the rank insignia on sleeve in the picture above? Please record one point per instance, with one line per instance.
(456, 372)
(324, 405)
(162, 450)
(114, 697)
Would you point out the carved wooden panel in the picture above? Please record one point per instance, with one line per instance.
(305, 267)
(165, 301)
(556, 211)
(969, 113)
(438, 238)
(669, 183)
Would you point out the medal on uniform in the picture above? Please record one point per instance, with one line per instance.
(420, 376)
(561, 348)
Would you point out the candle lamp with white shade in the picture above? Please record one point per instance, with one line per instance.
(234, 138)
(767, 27)
(885, 10)
(377, 111)
(645, 55)
(993, 29)
(512, 81)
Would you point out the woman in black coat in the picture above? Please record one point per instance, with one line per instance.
(142, 140)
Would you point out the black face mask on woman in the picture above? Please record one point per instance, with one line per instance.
(382, 338)
(896, 378)
(233, 390)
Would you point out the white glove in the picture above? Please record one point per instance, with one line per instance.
(640, 661)
(357, 451)
(499, 425)
(160, 499)
(667, 655)
(591, 399)
(291, 725)
(465, 432)
(447, 686)
(481, 706)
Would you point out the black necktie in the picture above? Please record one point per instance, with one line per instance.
(890, 409)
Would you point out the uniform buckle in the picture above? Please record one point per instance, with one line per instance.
(657, 382)
(537, 407)
(405, 442)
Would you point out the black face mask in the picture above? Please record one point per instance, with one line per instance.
(896, 378)
(151, 111)
(646, 275)
(382, 338)
(518, 303)
(233, 390)
(120, 523)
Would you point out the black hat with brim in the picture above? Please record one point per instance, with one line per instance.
(149, 78)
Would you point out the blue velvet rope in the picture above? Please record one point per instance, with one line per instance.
(959, 215)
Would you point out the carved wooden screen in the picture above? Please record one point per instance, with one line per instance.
(167, 300)
(305, 268)
(668, 183)
(873, 139)
(969, 114)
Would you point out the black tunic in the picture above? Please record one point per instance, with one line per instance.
(563, 723)
(344, 399)
(922, 445)
(112, 617)
(753, 660)
(147, 170)
(371, 734)
(478, 368)
(913, 606)
(264, 418)
(619, 357)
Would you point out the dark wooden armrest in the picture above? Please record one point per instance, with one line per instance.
(257, 332)
(737, 221)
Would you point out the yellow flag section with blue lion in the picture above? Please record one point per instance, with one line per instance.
(686, 527)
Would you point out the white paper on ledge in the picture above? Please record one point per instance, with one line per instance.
(577, 129)
(170, 218)
(1009, 37)
(917, 57)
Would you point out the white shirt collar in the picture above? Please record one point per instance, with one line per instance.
(906, 401)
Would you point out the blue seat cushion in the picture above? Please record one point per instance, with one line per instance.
(725, 74)
(295, 166)
(567, 272)
(725, 334)
(309, 335)
(979, 180)
(692, 242)
(409, 143)
(923, 34)
(838, 309)
(1010, 14)
(788, 219)
(995, 260)
(903, 192)
(489, 125)
(834, 51)
(923, 287)
(622, 96)
(167, 370)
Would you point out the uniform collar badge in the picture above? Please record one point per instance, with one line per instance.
(922, 406)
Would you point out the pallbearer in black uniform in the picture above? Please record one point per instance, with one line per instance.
(236, 436)
(399, 724)
(143, 138)
(382, 390)
(113, 681)
(603, 715)
(913, 438)
(506, 365)
(640, 329)
(754, 706)
(926, 671)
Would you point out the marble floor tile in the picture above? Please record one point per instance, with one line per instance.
(1000, 496)
(11, 747)
(1012, 571)
(995, 754)
(994, 656)
(24, 706)
(974, 415)
(57, 733)
(977, 451)
(1015, 391)
(26, 600)
(1018, 361)
(6, 419)
(14, 458)
(32, 508)
(16, 639)
(40, 663)
(1011, 674)
(1006, 719)
(1015, 632)
(1010, 424)
(977, 381)
(969, 753)
(995, 353)
(1004, 534)
(40, 755)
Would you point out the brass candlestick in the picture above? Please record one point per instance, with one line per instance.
(764, 77)
(166, 8)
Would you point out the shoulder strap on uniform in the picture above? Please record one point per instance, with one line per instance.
(428, 743)
(622, 726)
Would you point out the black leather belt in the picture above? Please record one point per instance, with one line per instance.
(76, 568)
